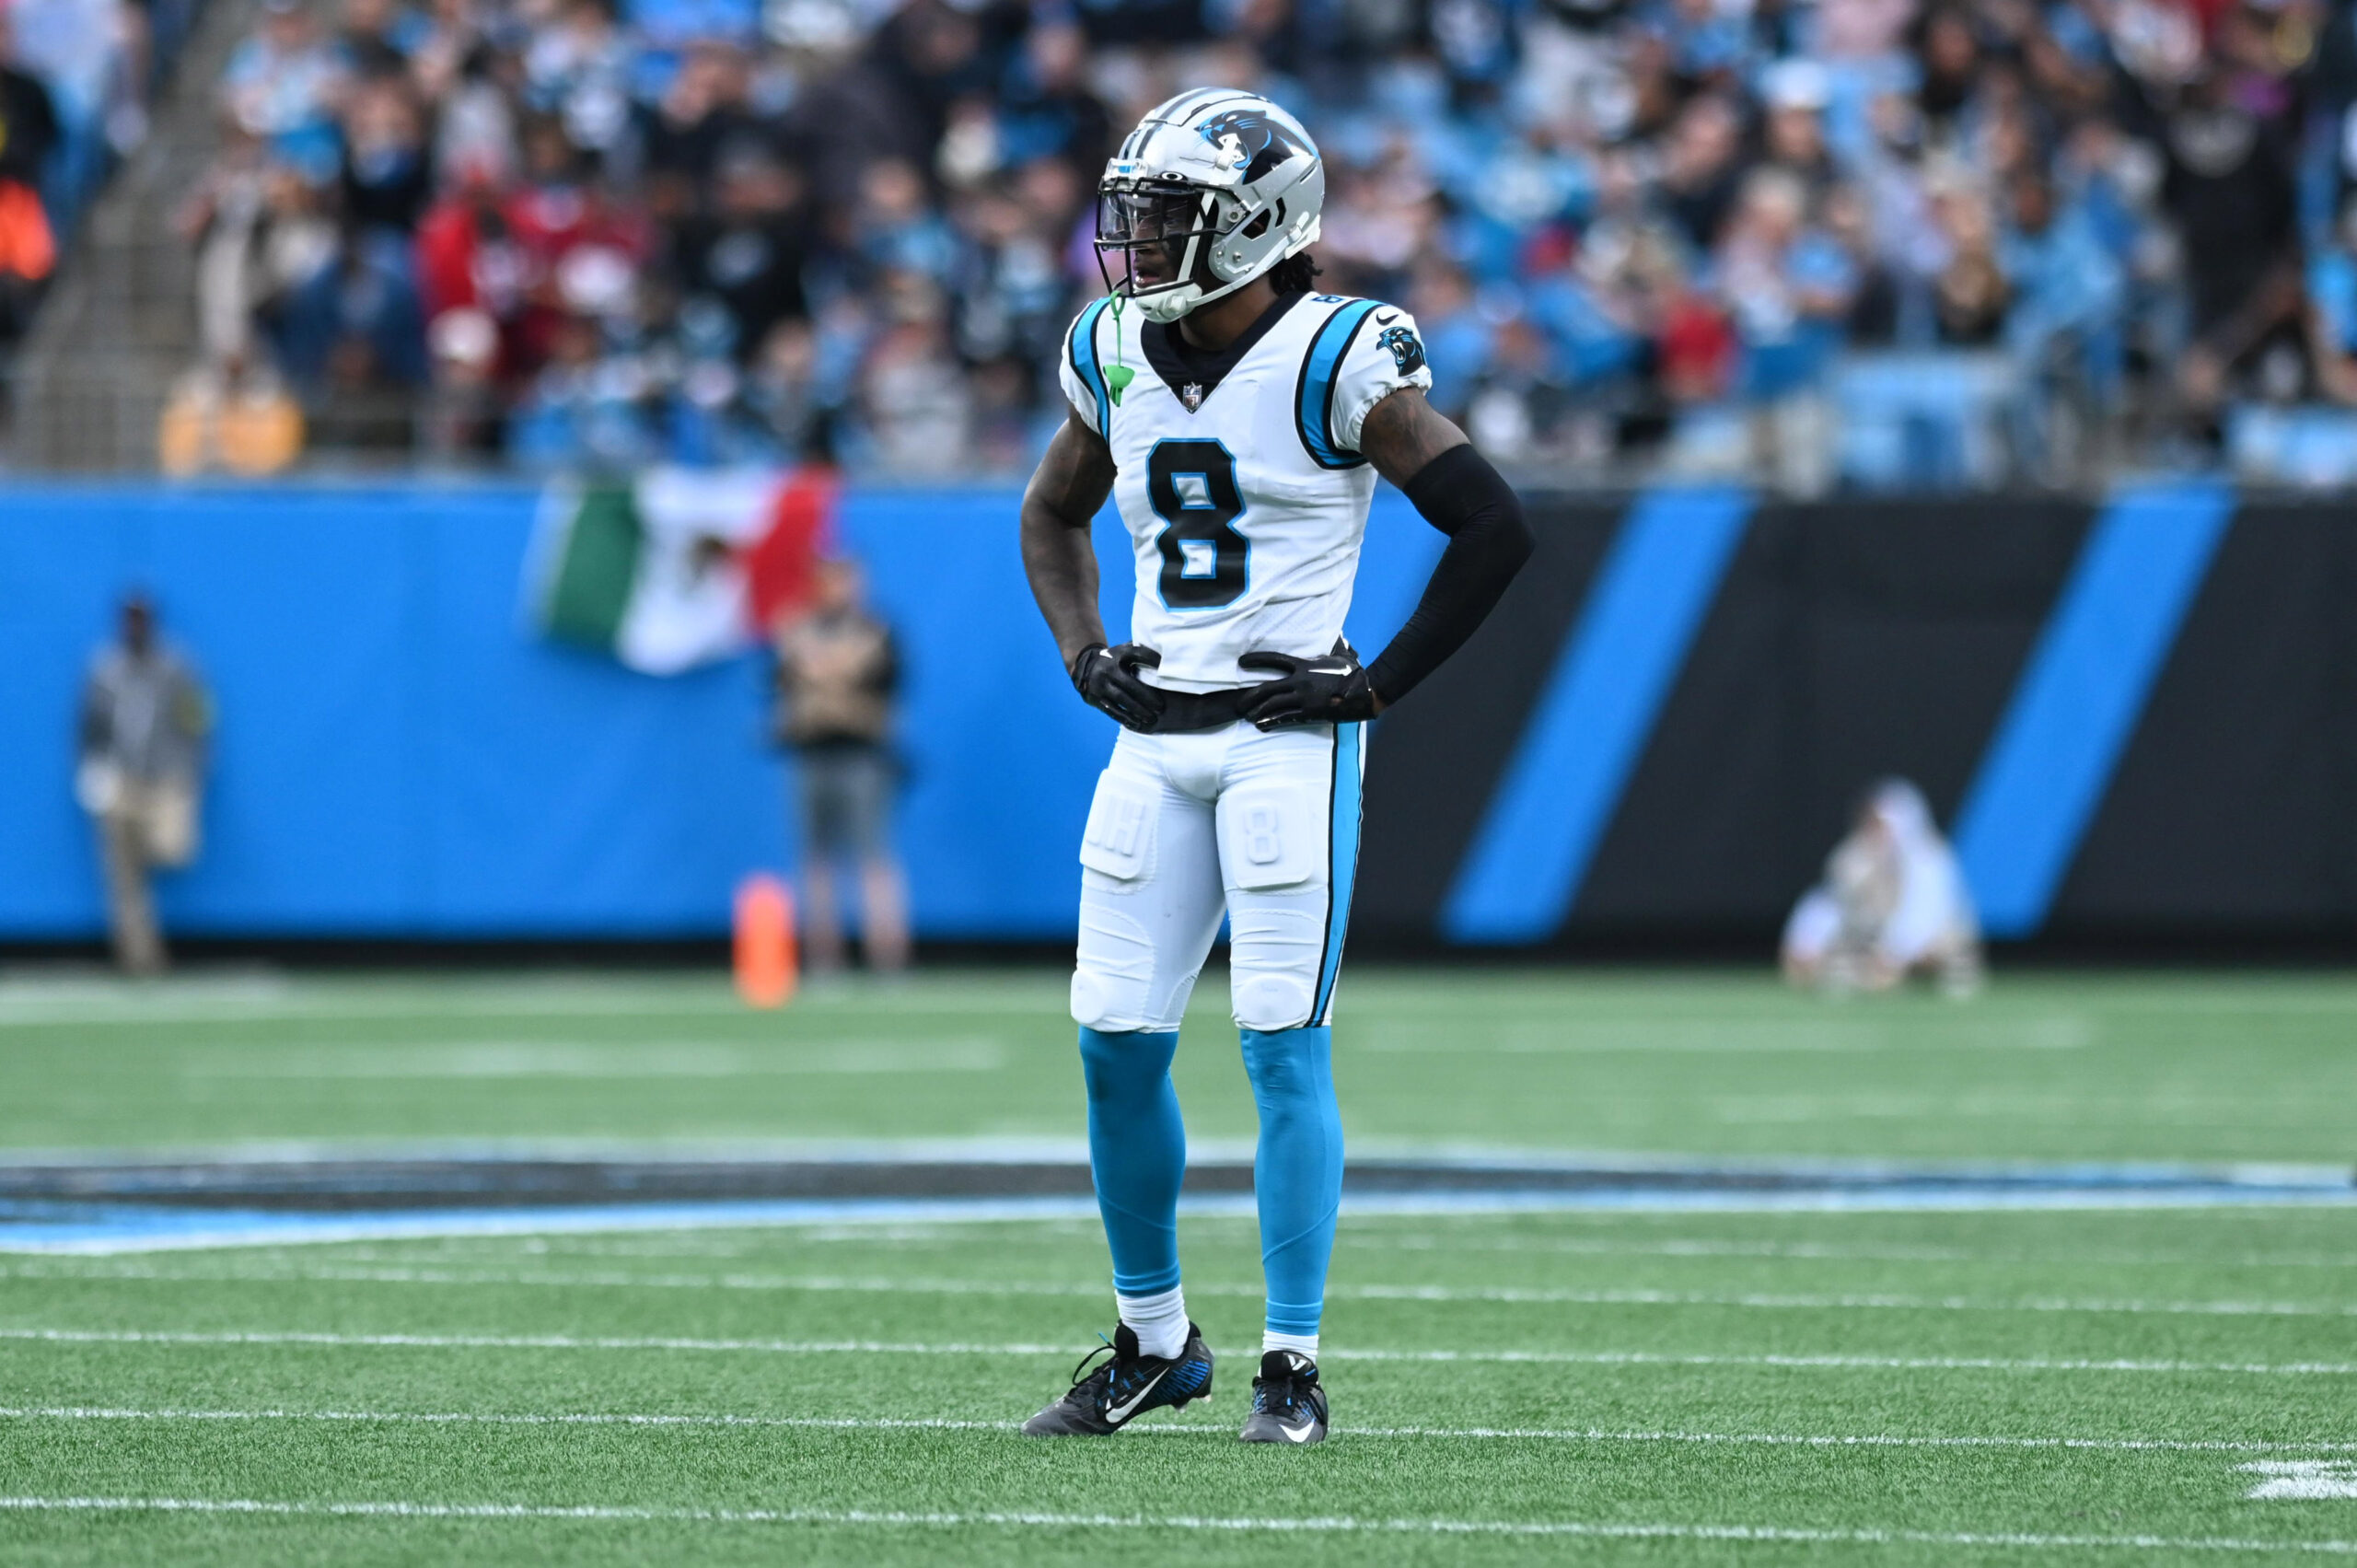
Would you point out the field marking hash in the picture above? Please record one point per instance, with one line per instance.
(946, 1424)
(884, 1286)
(1339, 1524)
(882, 1347)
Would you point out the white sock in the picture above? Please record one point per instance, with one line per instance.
(1159, 1320)
(1300, 1344)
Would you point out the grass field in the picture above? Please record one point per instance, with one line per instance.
(2080, 1385)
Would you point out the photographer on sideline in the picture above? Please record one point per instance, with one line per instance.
(140, 774)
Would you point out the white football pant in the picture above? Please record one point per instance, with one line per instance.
(1265, 827)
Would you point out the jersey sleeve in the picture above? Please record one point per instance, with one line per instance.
(1082, 371)
(1384, 354)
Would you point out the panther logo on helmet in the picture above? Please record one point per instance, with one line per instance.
(1211, 191)
(1248, 133)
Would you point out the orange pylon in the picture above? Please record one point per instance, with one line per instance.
(766, 961)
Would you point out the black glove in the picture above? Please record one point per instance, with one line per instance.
(1332, 689)
(1106, 678)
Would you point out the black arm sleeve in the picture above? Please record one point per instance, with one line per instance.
(1459, 493)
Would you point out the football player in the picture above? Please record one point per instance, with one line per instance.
(1238, 418)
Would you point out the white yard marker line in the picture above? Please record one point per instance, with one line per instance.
(525, 1341)
(1600, 1529)
(662, 1059)
(1377, 1242)
(2305, 1481)
(564, 1418)
(18, 1008)
(1201, 1429)
(618, 1279)
(882, 1347)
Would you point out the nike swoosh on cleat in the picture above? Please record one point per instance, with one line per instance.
(1300, 1436)
(1123, 1412)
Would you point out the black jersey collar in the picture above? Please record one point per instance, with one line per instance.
(1191, 374)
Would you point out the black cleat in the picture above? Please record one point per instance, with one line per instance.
(1288, 1402)
(1108, 1396)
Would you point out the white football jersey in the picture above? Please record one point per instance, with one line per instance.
(1241, 485)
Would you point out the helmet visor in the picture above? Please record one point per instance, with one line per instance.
(1156, 234)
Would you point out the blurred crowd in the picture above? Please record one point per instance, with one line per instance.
(74, 79)
(713, 230)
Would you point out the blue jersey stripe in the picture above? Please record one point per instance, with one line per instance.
(1342, 843)
(1314, 401)
(1084, 363)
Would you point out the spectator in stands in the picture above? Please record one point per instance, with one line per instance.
(1701, 168)
(918, 408)
(2332, 308)
(579, 69)
(1877, 302)
(1893, 905)
(387, 178)
(260, 236)
(1796, 93)
(29, 134)
(1970, 296)
(2230, 188)
(378, 38)
(2102, 196)
(1787, 287)
(284, 84)
(750, 253)
(2067, 296)
(838, 674)
(146, 722)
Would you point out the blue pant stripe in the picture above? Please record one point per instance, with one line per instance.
(2080, 695)
(1594, 716)
(1342, 839)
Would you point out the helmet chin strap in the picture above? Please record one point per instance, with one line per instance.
(1168, 304)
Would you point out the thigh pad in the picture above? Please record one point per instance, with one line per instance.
(1119, 839)
(1274, 835)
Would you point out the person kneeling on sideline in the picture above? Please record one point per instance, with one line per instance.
(1893, 904)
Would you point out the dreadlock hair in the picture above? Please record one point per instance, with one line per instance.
(1296, 274)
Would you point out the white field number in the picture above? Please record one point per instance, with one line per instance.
(2302, 1479)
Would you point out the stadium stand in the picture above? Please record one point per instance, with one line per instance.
(1876, 243)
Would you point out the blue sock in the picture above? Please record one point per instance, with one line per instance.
(1137, 1151)
(1297, 1171)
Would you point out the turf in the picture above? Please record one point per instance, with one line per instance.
(1700, 1387)
(2042, 1067)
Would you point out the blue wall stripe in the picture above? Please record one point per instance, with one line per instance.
(1594, 715)
(2080, 695)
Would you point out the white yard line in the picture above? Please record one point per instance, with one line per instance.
(720, 1246)
(886, 1347)
(1377, 1242)
(1196, 1429)
(1600, 1529)
(660, 1058)
(833, 1284)
(26, 1007)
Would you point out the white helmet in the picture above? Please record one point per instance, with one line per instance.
(1211, 191)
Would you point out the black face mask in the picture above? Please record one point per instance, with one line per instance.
(1159, 225)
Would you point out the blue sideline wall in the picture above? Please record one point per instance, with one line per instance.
(399, 756)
